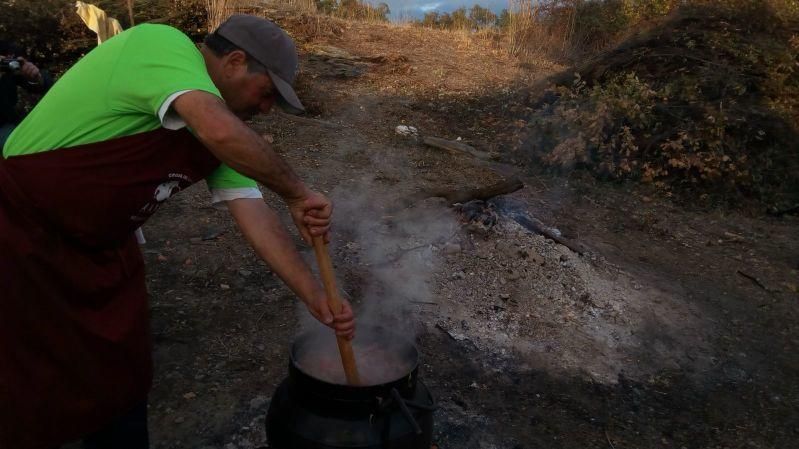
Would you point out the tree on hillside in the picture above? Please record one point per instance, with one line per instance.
(481, 17)
(431, 19)
(503, 20)
(383, 10)
(460, 20)
(348, 9)
(326, 6)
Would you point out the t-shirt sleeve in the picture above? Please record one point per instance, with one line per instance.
(225, 177)
(159, 62)
(227, 184)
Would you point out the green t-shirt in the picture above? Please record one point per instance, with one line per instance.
(117, 90)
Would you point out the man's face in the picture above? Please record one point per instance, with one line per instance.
(248, 94)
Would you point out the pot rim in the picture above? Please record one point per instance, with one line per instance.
(410, 353)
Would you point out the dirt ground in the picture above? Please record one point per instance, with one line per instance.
(675, 329)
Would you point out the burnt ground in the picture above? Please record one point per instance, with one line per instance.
(655, 337)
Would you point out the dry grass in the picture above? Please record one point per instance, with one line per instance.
(436, 62)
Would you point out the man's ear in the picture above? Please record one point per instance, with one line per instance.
(234, 60)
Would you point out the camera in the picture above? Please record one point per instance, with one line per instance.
(10, 64)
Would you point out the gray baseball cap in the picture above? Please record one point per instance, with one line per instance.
(268, 44)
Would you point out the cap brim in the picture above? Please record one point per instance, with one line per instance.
(287, 100)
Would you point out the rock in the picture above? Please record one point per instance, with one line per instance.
(189, 395)
(213, 234)
(508, 249)
(459, 275)
(452, 248)
(245, 273)
(563, 251)
(224, 286)
(258, 402)
(408, 131)
(331, 51)
(457, 336)
(484, 252)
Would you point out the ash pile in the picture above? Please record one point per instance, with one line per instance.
(494, 279)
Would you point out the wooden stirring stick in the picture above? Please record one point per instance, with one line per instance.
(326, 270)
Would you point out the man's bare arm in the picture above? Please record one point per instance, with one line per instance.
(242, 149)
(235, 144)
(264, 231)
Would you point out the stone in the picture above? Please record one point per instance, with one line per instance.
(405, 130)
(258, 402)
(508, 249)
(452, 248)
(512, 275)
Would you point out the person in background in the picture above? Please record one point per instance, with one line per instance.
(135, 121)
(16, 72)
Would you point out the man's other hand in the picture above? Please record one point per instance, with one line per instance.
(343, 323)
(311, 214)
(30, 72)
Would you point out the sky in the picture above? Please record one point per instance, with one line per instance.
(401, 9)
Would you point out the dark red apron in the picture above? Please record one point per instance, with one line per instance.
(74, 332)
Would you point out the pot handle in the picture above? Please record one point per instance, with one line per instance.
(414, 404)
(407, 413)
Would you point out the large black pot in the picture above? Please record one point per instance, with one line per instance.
(314, 409)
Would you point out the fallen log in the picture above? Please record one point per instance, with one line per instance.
(309, 121)
(781, 212)
(461, 196)
(536, 226)
(454, 146)
(517, 211)
(453, 196)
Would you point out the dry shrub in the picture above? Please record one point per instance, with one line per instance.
(218, 11)
(574, 28)
(311, 27)
(53, 35)
(48, 31)
(707, 102)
